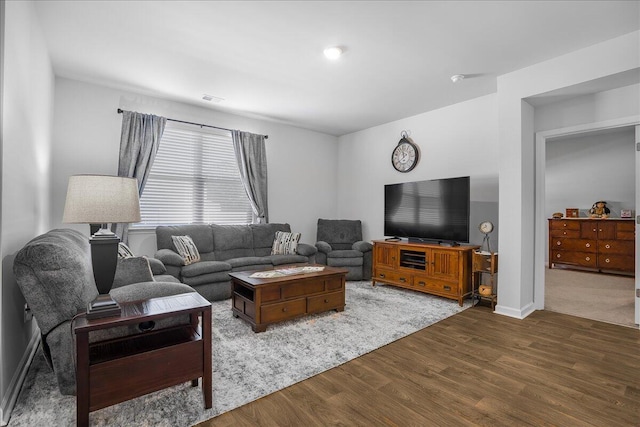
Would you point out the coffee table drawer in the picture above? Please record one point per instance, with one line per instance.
(283, 310)
(302, 288)
(325, 302)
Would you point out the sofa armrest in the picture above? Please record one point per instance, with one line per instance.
(362, 246)
(323, 247)
(132, 270)
(157, 266)
(169, 257)
(306, 250)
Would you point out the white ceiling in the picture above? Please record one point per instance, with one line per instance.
(265, 58)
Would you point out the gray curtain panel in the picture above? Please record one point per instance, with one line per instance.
(139, 141)
(252, 161)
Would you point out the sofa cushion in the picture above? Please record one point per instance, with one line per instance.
(285, 243)
(232, 241)
(221, 276)
(263, 235)
(186, 248)
(288, 259)
(240, 263)
(345, 262)
(349, 253)
(205, 267)
(199, 233)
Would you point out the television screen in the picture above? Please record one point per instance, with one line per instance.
(435, 210)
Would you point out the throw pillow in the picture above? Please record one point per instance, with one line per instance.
(285, 243)
(124, 251)
(186, 248)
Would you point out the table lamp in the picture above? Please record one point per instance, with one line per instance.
(99, 200)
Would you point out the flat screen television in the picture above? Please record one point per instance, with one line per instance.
(431, 211)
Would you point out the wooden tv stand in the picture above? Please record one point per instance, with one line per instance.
(433, 269)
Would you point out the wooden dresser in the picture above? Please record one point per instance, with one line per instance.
(433, 269)
(598, 244)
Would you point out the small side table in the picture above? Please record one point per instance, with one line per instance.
(484, 262)
(119, 369)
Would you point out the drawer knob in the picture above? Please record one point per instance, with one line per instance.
(447, 288)
(588, 245)
(284, 309)
(326, 301)
(607, 260)
(402, 279)
(381, 275)
(558, 256)
(558, 243)
(594, 230)
(607, 246)
(564, 225)
(600, 230)
(421, 283)
(564, 232)
(588, 258)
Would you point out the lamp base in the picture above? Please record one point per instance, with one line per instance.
(103, 306)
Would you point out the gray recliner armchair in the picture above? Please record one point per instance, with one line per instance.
(55, 274)
(340, 244)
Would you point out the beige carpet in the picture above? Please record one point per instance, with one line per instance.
(605, 297)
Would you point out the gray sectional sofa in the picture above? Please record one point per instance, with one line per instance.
(224, 249)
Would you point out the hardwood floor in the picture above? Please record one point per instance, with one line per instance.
(474, 368)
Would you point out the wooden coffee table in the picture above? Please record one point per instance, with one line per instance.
(263, 301)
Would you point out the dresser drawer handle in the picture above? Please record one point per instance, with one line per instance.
(594, 230)
(558, 243)
(600, 230)
(564, 225)
(607, 246)
(588, 245)
(402, 279)
(421, 283)
(326, 301)
(564, 232)
(558, 256)
(588, 259)
(284, 309)
(381, 275)
(447, 288)
(607, 260)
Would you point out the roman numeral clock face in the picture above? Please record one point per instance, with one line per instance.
(405, 156)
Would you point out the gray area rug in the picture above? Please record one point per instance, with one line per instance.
(247, 366)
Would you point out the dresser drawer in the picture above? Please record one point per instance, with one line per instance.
(282, 310)
(621, 247)
(582, 245)
(617, 262)
(585, 259)
(393, 276)
(563, 224)
(626, 230)
(326, 302)
(560, 232)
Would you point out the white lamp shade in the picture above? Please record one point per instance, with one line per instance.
(101, 199)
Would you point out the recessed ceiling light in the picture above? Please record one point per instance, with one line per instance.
(212, 98)
(457, 77)
(333, 53)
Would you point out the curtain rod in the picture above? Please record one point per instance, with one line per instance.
(196, 124)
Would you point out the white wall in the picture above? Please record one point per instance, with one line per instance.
(458, 140)
(302, 168)
(517, 172)
(27, 96)
(584, 169)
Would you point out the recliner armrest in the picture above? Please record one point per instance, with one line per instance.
(306, 250)
(362, 246)
(169, 257)
(157, 266)
(323, 247)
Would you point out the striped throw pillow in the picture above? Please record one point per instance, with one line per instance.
(186, 248)
(124, 251)
(285, 243)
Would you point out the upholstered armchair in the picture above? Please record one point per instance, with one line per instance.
(340, 244)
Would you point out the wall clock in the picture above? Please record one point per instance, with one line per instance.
(405, 155)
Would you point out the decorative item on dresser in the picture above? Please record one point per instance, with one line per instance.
(599, 244)
(428, 268)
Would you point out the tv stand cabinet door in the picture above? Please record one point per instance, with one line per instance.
(444, 265)
(385, 255)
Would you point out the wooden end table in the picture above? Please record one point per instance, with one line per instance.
(119, 369)
(263, 301)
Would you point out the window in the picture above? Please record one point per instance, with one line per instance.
(194, 179)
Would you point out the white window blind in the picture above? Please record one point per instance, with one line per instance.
(194, 180)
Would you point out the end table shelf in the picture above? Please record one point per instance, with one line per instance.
(115, 370)
(487, 263)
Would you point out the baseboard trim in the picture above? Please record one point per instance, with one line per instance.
(512, 312)
(13, 391)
